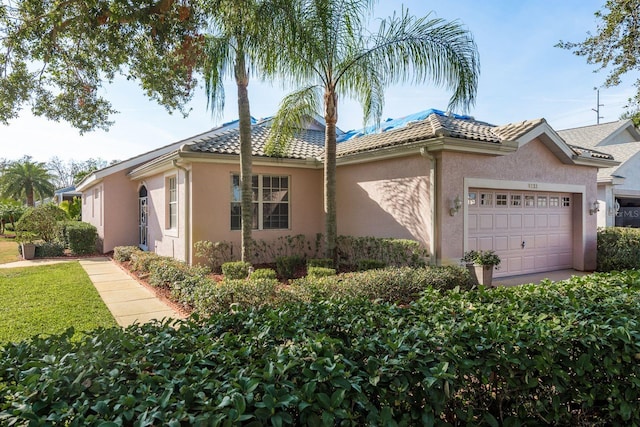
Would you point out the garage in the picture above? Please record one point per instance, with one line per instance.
(530, 231)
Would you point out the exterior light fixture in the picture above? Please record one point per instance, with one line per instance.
(456, 204)
(595, 207)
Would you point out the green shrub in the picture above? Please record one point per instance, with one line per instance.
(187, 290)
(264, 273)
(320, 272)
(42, 221)
(370, 264)
(214, 253)
(82, 237)
(392, 252)
(236, 270)
(49, 249)
(123, 253)
(320, 262)
(141, 261)
(287, 266)
(618, 248)
(557, 354)
(394, 285)
(164, 271)
(234, 294)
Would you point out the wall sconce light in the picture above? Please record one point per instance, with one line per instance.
(595, 207)
(456, 204)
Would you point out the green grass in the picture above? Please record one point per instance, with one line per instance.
(8, 250)
(47, 300)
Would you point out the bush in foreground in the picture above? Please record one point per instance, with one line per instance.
(555, 354)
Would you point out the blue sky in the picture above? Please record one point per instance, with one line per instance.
(523, 76)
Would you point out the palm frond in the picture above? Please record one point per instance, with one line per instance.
(415, 50)
(218, 64)
(296, 109)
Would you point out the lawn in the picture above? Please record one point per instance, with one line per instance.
(48, 300)
(8, 250)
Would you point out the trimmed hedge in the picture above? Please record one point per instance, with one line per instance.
(320, 271)
(286, 266)
(123, 253)
(48, 249)
(81, 236)
(618, 248)
(236, 270)
(554, 354)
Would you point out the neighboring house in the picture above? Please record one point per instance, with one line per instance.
(67, 193)
(619, 185)
(450, 182)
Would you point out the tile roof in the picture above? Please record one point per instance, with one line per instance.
(437, 125)
(307, 144)
(591, 136)
(310, 143)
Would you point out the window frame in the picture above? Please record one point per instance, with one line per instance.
(171, 198)
(258, 200)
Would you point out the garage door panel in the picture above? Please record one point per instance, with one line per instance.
(485, 222)
(541, 220)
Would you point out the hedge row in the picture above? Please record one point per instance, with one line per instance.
(618, 248)
(191, 287)
(353, 252)
(556, 354)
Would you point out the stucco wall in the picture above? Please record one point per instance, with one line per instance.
(160, 238)
(532, 164)
(211, 202)
(120, 211)
(92, 208)
(386, 198)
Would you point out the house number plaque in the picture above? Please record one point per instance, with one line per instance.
(533, 186)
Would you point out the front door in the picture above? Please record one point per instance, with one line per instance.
(143, 211)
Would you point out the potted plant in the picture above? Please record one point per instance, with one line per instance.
(481, 265)
(26, 240)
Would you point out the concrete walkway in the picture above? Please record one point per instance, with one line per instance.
(128, 300)
(536, 278)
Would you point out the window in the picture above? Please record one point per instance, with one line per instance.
(516, 200)
(554, 201)
(486, 199)
(542, 201)
(566, 202)
(501, 200)
(529, 201)
(270, 196)
(471, 201)
(172, 202)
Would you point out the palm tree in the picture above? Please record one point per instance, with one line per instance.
(239, 44)
(332, 55)
(24, 178)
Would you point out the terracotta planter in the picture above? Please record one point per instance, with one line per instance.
(28, 250)
(481, 274)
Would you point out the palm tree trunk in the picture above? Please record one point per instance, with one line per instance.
(244, 115)
(331, 226)
(30, 201)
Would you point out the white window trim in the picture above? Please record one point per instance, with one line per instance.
(171, 231)
(260, 202)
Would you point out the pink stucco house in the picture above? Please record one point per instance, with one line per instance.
(450, 182)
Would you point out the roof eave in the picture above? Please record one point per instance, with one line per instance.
(592, 161)
(310, 163)
(471, 146)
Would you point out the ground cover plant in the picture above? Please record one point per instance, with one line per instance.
(48, 300)
(555, 354)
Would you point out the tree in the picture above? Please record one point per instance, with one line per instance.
(26, 179)
(614, 44)
(56, 56)
(72, 171)
(240, 44)
(333, 55)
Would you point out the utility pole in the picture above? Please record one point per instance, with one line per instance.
(598, 105)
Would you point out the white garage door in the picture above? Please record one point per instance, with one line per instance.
(530, 231)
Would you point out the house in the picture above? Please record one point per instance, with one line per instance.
(452, 183)
(619, 185)
(66, 193)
